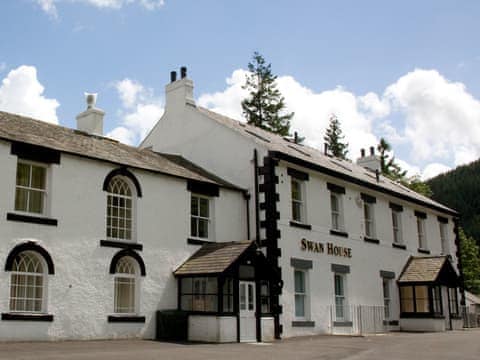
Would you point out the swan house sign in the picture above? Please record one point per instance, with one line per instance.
(318, 247)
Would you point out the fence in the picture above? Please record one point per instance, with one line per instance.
(361, 319)
(470, 319)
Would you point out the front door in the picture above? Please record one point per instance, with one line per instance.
(248, 325)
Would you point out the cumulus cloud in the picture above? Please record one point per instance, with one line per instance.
(22, 93)
(50, 8)
(140, 111)
(435, 121)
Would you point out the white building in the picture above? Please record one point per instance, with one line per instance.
(355, 251)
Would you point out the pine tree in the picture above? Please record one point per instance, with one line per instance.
(334, 139)
(470, 257)
(265, 106)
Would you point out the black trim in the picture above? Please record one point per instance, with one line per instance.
(121, 245)
(396, 207)
(371, 240)
(192, 241)
(122, 171)
(324, 170)
(301, 263)
(301, 225)
(423, 251)
(420, 214)
(27, 317)
(335, 188)
(125, 319)
(32, 219)
(35, 153)
(127, 252)
(338, 233)
(29, 246)
(368, 198)
(303, 323)
(340, 269)
(442, 219)
(390, 322)
(203, 188)
(343, 323)
(297, 174)
(418, 315)
(387, 274)
(399, 246)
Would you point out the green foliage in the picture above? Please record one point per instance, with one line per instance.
(470, 257)
(460, 190)
(264, 107)
(334, 139)
(419, 186)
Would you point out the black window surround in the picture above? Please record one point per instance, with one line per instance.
(123, 171)
(343, 323)
(297, 174)
(35, 153)
(423, 251)
(420, 214)
(442, 219)
(340, 269)
(121, 245)
(203, 188)
(338, 233)
(399, 246)
(335, 188)
(396, 207)
(125, 319)
(27, 317)
(300, 225)
(132, 254)
(387, 274)
(29, 246)
(301, 264)
(39, 220)
(368, 198)
(371, 240)
(303, 323)
(194, 241)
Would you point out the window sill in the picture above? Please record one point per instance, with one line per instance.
(121, 244)
(423, 251)
(27, 317)
(390, 322)
(195, 241)
(343, 323)
(303, 323)
(32, 219)
(338, 233)
(126, 319)
(399, 246)
(371, 240)
(300, 225)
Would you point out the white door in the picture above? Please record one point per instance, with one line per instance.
(248, 324)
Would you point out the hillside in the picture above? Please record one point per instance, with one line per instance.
(460, 190)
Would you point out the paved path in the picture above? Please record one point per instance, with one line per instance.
(458, 345)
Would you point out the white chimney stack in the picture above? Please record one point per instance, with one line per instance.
(91, 120)
(179, 92)
(372, 161)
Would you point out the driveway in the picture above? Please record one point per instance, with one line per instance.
(408, 346)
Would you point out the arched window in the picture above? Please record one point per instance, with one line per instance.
(28, 283)
(119, 209)
(126, 282)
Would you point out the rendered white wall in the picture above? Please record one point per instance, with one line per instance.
(434, 325)
(268, 329)
(212, 328)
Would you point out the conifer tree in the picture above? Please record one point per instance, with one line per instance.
(265, 106)
(470, 256)
(334, 139)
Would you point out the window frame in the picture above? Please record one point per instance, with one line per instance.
(387, 297)
(198, 218)
(369, 223)
(201, 295)
(135, 297)
(301, 201)
(422, 233)
(343, 315)
(301, 294)
(340, 226)
(45, 191)
(397, 228)
(133, 211)
(453, 301)
(444, 239)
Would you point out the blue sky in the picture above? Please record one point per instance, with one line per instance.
(407, 70)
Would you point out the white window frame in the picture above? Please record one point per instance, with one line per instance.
(341, 297)
(43, 275)
(369, 223)
(303, 295)
(387, 298)
(443, 227)
(340, 226)
(209, 219)
(44, 191)
(421, 232)
(133, 212)
(397, 228)
(301, 201)
(124, 277)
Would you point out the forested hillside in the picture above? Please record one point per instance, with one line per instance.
(460, 190)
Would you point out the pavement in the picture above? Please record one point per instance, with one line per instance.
(458, 345)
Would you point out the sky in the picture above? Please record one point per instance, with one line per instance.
(408, 71)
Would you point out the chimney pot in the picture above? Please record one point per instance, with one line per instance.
(362, 153)
(183, 72)
(295, 137)
(325, 148)
(173, 76)
(377, 175)
(372, 150)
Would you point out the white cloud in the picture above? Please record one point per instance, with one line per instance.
(434, 169)
(140, 111)
(22, 93)
(50, 8)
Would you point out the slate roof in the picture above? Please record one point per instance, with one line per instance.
(346, 169)
(23, 129)
(213, 258)
(422, 269)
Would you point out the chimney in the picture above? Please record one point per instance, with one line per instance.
(371, 162)
(91, 120)
(178, 93)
